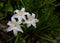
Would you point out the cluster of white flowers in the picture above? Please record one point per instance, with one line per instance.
(20, 15)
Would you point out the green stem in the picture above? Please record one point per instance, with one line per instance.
(56, 4)
(18, 5)
(22, 3)
(22, 26)
(16, 39)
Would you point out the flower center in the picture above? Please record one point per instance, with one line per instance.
(14, 25)
(20, 14)
(30, 19)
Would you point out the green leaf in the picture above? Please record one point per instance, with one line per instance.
(50, 1)
(18, 38)
(1, 4)
(56, 33)
(8, 7)
(46, 37)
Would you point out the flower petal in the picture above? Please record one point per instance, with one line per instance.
(20, 19)
(16, 11)
(9, 29)
(19, 29)
(34, 25)
(15, 32)
(19, 22)
(13, 19)
(33, 15)
(29, 16)
(15, 16)
(24, 17)
(36, 20)
(26, 13)
(9, 23)
(28, 25)
(23, 10)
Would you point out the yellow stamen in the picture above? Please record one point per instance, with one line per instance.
(20, 14)
(30, 19)
(14, 25)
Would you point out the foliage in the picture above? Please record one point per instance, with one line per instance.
(48, 27)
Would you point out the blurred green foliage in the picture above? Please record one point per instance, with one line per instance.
(48, 27)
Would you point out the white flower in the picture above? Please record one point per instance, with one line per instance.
(31, 20)
(20, 14)
(13, 25)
